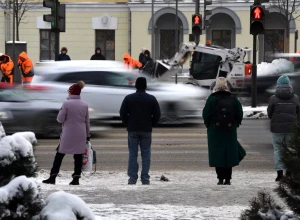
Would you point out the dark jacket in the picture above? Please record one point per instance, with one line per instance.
(142, 59)
(224, 150)
(283, 110)
(140, 111)
(148, 67)
(97, 56)
(62, 57)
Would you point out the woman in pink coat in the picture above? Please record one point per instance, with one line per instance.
(74, 117)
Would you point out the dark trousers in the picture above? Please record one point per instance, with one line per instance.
(224, 173)
(58, 160)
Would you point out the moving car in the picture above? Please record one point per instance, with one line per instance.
(20, 111)
(266, 85)
(108, 82)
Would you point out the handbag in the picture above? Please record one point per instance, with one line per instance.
(87, 158)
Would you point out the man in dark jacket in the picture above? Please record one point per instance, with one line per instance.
(148, 67)
(283, 111)
(139, 112)
(98, 55)
(63, 56)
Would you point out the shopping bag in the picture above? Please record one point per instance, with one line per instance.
(87, 158)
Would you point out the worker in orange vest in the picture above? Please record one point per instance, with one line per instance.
(26, 68)
(131, 63)
(7, 68)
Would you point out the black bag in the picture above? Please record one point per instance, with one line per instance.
(224, 114)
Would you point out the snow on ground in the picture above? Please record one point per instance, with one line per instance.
(276, 67)
(258, 112)
(188, 195)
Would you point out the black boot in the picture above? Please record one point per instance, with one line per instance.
(279, 175)
(220, 182)
(75, 181)
(51, 179)
(227, 182)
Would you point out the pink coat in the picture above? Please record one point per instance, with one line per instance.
(74, 117)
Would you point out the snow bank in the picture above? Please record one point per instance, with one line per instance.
(16, 186)
(13, 145)
(29, 136)
(62, 205)
(258, 112)
(276, 67)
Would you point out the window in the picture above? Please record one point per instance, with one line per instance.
(273, 43)
(205, 66)
(91, 78)
(119, 80)
(221, 38)
(105, 39)
(47, 43)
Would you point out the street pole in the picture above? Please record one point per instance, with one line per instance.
(152, 33)
(176, 29)
(197, 9)
(14, 35)
(56, 49)
(254, 74)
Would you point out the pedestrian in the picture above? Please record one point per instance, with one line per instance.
(131, 63)
(148, 68)
(139, 112)
(98, 55)
(7, 69)
(142, 56)
(26, 68)
(222, 115)
(63, 54)
(283, 110)
(74, 117)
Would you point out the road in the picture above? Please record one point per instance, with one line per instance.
(173, 148)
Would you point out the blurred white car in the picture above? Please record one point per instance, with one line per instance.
(107, 84)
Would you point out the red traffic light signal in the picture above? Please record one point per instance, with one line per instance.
(257, 13)
(197, 19)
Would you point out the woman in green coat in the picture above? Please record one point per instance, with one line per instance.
(224, 149)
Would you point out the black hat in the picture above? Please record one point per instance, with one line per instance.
(141, 83)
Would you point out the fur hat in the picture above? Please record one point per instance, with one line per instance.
(75, 89)
(141, 83)
(221, 85)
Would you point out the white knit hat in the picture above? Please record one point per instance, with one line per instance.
(221, 85)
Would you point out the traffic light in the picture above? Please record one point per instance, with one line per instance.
(62, 17)
(197, 24)
(57, 16)
(51, 17)
(207, 12)
(257, 19)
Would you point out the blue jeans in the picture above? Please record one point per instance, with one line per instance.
(278, 139)
(134, 140)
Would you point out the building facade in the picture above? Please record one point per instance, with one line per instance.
(121, 27)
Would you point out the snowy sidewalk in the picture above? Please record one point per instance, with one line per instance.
(188, 195)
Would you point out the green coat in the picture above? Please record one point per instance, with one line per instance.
(224, 150)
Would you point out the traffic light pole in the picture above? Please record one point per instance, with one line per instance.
(56, 47)
(254, 74)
